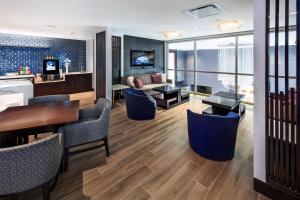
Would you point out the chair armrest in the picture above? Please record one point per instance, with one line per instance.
(152, 100)
(84, 132)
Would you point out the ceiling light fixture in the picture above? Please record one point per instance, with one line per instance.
(50, 26)
(172, 34)
(228, 25)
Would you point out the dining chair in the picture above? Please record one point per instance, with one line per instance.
(92, 127)
(47, 99)
(30, 166)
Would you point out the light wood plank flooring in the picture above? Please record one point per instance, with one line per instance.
(153, 160)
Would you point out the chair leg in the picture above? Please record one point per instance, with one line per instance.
(106, 146)
(46, 191)
(66, 159)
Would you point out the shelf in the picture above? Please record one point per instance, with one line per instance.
(24, 46)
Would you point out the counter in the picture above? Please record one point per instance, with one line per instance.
(16, 77)
(14, 91)
(74, 82)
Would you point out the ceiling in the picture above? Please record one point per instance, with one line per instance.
(144, 18)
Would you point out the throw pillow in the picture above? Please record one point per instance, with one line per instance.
(156, 79)
(145, 78)
(138, 83)
(130, 81)
(164, 78)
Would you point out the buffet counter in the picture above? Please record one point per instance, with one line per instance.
(74, 82)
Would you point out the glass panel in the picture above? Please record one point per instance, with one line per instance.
(245, 87)
(292, 53)
(216, 55)
(215, 83)
(281, 84)
(245, 54)
(171, 60)
(184, 55)
(171, 75)
(185, 80)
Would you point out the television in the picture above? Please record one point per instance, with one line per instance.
(51, 66)
(142, 58)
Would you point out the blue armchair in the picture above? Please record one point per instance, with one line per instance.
(211, 136)
(139, 106)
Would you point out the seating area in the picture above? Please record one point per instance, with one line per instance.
(149, 100)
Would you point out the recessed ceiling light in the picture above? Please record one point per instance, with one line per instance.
(228, 25)
(172, 34)
(50, 26)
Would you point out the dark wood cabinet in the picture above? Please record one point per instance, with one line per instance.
(73, 83)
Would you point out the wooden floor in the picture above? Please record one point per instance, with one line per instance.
(153, 160)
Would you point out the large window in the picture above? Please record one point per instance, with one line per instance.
(225, 64)
(213, 65)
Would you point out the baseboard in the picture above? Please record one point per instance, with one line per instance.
(273, 192)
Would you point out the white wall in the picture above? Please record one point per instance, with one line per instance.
(90, 55)
(108, 64)
(259, 90)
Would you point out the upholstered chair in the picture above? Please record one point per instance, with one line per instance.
(92, 127)
(139, 106)
(47, 99)
(29, 166)
(212, 136)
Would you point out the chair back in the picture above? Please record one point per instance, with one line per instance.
(138, 105)
(31, 165)
(213, 136)
(103, 110)
(48, 99)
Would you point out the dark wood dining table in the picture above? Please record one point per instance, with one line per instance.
(22, 120)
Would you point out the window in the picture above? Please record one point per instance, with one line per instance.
(217, 55)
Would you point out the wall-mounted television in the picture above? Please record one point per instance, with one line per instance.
(142, 58)
(51, 66)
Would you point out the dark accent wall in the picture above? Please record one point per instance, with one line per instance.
(101, 65)
(137, 43)
(17, 50)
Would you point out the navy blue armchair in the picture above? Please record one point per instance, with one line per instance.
(212, 136)
(139, 106)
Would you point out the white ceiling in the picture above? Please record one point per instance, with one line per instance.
(145, 18)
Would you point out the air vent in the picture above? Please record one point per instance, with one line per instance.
(205, 11)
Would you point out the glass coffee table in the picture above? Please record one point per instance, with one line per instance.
(170, 96)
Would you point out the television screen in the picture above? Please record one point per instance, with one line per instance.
(142, 58)
(51, 66)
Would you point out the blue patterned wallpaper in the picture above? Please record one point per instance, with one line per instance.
(17, 50)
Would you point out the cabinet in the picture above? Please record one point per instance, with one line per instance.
(73, 83)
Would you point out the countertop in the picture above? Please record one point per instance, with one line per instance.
(16, 77)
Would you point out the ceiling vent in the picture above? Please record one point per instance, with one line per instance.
(205, 11)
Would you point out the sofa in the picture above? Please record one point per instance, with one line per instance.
(146, 81)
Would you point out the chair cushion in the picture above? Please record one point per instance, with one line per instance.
(156, 78)
(138, 83)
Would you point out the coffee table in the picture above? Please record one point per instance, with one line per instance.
(170, 96)
(224, 102)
